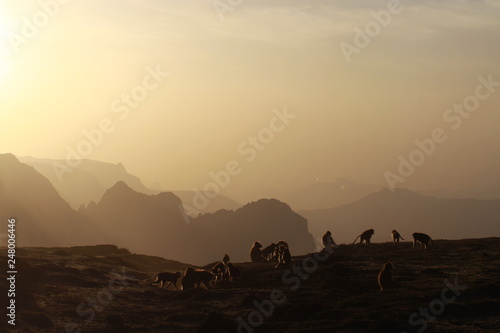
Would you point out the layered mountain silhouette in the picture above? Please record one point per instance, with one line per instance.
(407, 212)
(153, 224)
(150, 224)
(157, 225)
(43, 218)
(89, 179)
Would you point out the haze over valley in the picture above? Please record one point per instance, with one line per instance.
(109, 205)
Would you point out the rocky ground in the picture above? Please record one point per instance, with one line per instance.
(453, 287)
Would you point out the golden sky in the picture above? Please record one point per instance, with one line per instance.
(69, 67)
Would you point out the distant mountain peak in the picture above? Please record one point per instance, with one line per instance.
(121, 166)
(120, 186)
(8, 158)
(121, 194)
(265, 204)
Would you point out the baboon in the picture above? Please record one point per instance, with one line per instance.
(385, 278)
(395, 237)
(284, 257)
(423, 239)
(234, 272)
(195, 277)
(282, 242)
(164, 277)
(365, 236)
(269, 253)
(328, 241)
(218, 271)
(255, 252)
(225, 260)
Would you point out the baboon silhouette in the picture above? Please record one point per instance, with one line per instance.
(385, 278)
(218, 271)
(196, 277)
(256, 252)
(234, 272)
(164, 277)
(328, 241)
(284, 257)
(365, 236)
(423, 239)
(269, 252)
(396, 237)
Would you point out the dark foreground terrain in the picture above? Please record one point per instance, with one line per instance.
(452, 288)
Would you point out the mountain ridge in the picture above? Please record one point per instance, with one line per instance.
(408, 212)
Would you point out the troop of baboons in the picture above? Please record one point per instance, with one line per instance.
(385, 277)
(423, 239)
(280, 252)
(223, 270)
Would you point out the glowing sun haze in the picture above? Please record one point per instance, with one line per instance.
(227, 76)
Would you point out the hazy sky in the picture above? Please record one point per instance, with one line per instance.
(67, 71)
